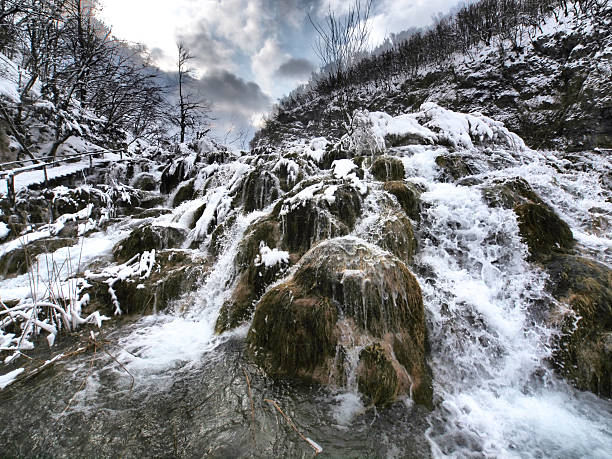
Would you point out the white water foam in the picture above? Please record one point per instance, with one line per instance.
(498, 398)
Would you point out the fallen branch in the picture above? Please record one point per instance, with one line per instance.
(314, 445)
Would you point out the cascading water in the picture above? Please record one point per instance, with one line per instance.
(498, 397)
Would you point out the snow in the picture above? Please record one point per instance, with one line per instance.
(314, 149)
(61, 264)
(343, 167)
(301, 198)
(462, 130)
(9, 79)
(10, 377)
(271, 257)
(433, 125)
(9, 90)
(25, 240)
(4, 230)
(139, 267)
(401, 126)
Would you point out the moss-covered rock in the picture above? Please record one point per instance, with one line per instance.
(543, 230)
(408, 197)
(454, 167)
(146, 182)
(387, 168)
(331, 211)
(539, 226)
(395, 234)
(297, 331)
(259, 189)
(377, 377)
(148, 237)
(184, 192)
(254, 276)
(175, 272)
(292, 334)
(584, 350)
(510, 193)
(219, 237)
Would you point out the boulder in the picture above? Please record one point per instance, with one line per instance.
(185, 192)
(387, 168)
(378, 378)
(583, 353)
(394, 233)
(173, 273)
(454, 167)
(260, 189)
(510, 193)
(408, 197)
(146, 182)
(148, 237)
(254, 275)
(345, 294)
(543, 230)
(72, 200)
(540, 227)
(329, 210)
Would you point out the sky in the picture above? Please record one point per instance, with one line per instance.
(248, 53)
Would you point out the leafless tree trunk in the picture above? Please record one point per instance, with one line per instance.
(193, 112)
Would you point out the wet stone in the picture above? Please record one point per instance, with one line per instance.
(297, 328)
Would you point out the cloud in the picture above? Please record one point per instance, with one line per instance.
(208, 52)
(237, 105)
(227, 91)
(394, 16)
(295, 68)
(265, 62)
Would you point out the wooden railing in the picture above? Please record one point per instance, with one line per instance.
(43, 164)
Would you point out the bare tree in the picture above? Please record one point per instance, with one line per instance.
(193, 111)
(343, 39)
(81, 69)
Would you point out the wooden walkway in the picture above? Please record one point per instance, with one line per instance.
(11, 169)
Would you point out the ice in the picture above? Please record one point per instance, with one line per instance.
(10, 377)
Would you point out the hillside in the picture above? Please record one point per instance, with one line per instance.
(551, 84)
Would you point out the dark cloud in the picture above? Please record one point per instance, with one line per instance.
(295, 68)
(208, 52)
(225, 89)
(234, 103)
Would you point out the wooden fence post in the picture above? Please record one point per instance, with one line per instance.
(46, 176)
(10, 185)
